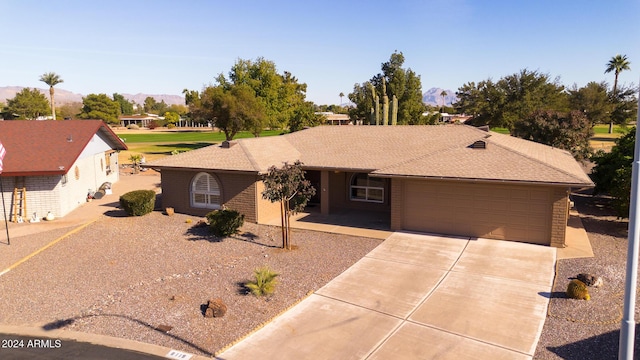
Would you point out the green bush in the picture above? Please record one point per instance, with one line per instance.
(170, 126)
(578, 290)
(138, 202)
(225, 223)
(264, 282)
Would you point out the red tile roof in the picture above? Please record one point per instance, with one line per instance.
(49, 147)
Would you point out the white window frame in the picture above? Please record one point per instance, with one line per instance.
(368, 189)
(209, 191)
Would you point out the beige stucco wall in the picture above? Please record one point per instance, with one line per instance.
(267, 210)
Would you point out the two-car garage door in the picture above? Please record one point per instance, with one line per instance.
(507, 212)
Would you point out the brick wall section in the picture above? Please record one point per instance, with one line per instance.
(237, 192)
(397, 209)
(559, 217)
(42, 196)
(8, 183)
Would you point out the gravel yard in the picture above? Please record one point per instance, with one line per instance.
(577, 329)
(125, 276)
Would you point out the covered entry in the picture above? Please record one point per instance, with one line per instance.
(496, 211)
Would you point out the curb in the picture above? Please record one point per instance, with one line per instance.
(102, 340)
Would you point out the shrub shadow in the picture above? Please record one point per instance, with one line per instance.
(553, 294)
(199, 232)
(241, 289)
(119, 213)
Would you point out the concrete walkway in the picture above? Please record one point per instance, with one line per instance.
(419, 296)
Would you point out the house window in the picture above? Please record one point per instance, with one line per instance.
(365, 188)
(205, 192)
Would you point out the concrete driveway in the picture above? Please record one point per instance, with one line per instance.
(419, 296)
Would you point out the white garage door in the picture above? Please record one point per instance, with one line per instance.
(507, 212)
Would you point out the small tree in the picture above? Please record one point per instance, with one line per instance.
(288, 186)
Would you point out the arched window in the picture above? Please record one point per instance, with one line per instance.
(205, 192)
(365, 188)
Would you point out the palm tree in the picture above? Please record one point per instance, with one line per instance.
(52, 79)
(341, 96)
(617, 64)
(443, 94)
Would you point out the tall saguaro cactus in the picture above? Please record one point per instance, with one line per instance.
(375, 109)
(394, 111)
(385, 104)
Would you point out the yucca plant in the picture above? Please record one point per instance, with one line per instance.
(264, 282)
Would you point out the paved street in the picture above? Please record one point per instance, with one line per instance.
(14, 347)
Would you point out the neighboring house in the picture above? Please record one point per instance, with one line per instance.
(57, 163)
(454, 118)
(335, 119)
(138, 119)
(450, 179)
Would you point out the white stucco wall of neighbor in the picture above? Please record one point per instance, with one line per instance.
(61, 194)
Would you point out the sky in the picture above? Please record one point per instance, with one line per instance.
(164, 47)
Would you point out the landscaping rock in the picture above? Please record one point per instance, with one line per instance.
(590, 280)
(201, 223)
(215, 308)
(164, 328)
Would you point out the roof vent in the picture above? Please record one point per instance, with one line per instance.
(480, 144)
(228, 144)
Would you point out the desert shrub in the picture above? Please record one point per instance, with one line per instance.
(133, 127)
(578, 290)
(225, 223)
(138, 202)
(155, 124)
(264, 283)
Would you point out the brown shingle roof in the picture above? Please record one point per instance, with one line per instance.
(417, 151)
(49, 147)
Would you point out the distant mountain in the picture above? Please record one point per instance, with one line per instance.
(433, 97)
(64, 96)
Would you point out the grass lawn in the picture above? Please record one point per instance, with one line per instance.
(617, 130)
(500, 130)
(154, 144)
(601, 139)
(154, 136)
